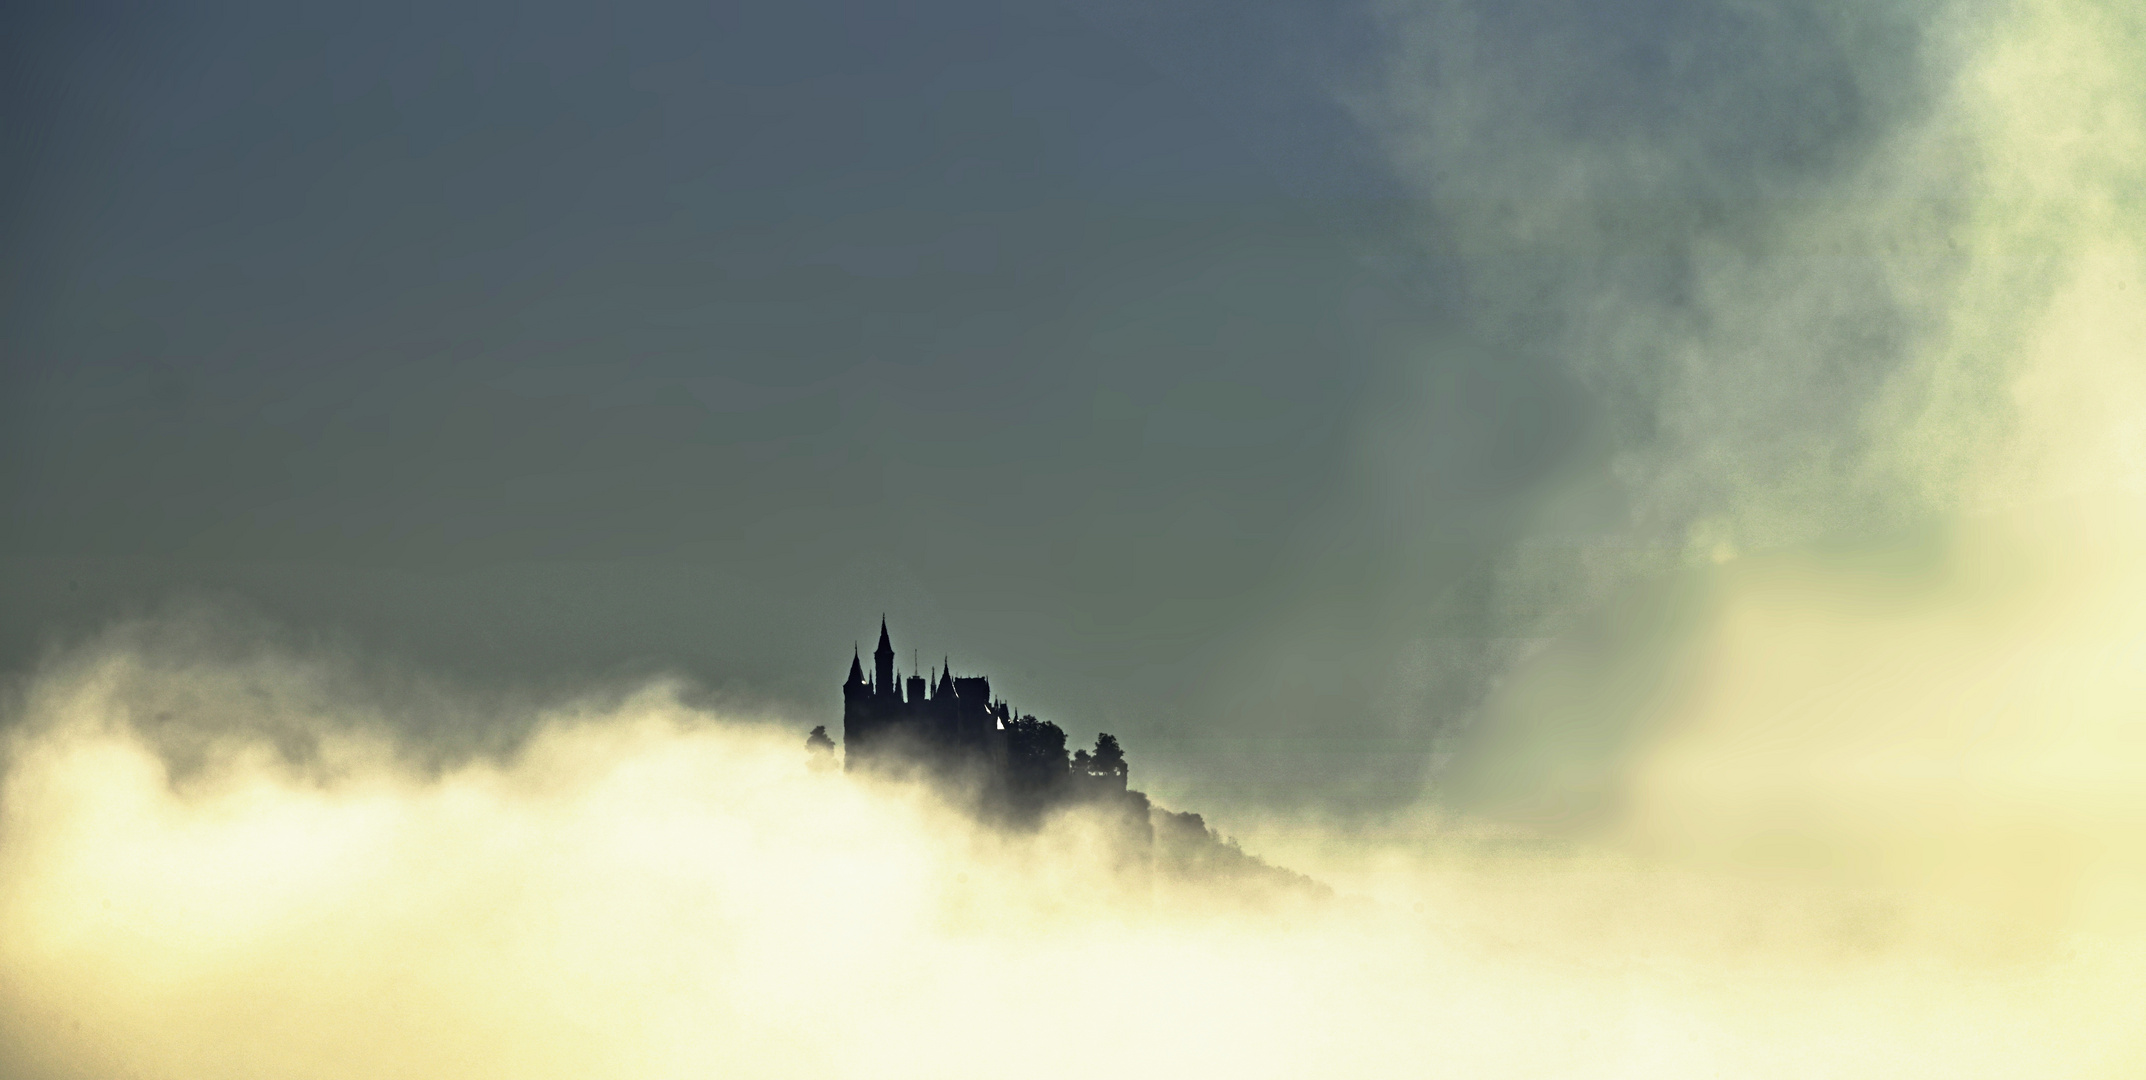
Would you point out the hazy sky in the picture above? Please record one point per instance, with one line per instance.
(1229, 376)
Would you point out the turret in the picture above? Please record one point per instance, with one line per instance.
(859, 713)
(883, 662)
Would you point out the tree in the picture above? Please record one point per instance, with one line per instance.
(1035, 749)
(821, 747)
(1108, 759)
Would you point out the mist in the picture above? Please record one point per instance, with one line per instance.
(648, 888)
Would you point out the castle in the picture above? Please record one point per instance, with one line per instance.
(1012, 769)
(953, 727)
(947, 719)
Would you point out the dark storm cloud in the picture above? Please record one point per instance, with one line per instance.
(1190, 370)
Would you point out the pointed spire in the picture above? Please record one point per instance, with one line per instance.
(883, 662)
(856, 666)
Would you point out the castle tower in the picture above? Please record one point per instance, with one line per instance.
(883, 664)
(856, 712)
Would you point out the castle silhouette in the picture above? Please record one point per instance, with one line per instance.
(1012, 769)
(953, 729)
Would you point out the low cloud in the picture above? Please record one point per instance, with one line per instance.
(644, 888)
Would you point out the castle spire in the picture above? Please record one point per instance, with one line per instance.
(856, 666)
(883, 660)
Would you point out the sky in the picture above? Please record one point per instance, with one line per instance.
(539, 341)
(1164, 362)
(1639, 496)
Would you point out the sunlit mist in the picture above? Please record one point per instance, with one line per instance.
(651, 890)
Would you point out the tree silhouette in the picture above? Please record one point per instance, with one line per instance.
(1035, 750)
(1108, 759)
(820, 745)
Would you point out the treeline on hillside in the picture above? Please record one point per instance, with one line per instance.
(1038, 779)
